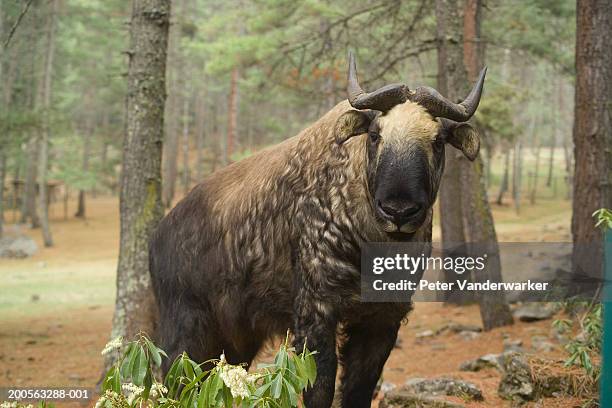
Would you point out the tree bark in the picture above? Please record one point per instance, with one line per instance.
(451, 83)
(43, 148)
(479, 227)
(172, 113)
(592, 132)
(140, 199)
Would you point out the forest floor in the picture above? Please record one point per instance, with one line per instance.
(56, 307)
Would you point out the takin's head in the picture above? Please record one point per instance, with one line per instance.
(407, 134)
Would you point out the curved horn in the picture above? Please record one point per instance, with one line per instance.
(439, 106)
(382, 99)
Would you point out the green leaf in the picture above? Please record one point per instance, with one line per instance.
(277, 386)
(203, 398)
(292, 392)
(311, 368)
(139, 371)
(154, 351)
(128, 361)
(172, 378)
(261, 391)
(228, 400)
(148, 382)
(188, 367)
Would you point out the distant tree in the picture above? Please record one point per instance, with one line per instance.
(232, 117)
(140, 198)
(459, 60)
(174, 76)
(452, 83)
(592, 131)
(477, 216)
(45, 132)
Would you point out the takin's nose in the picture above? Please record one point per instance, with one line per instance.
(398, 211)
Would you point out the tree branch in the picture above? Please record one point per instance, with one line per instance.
(25, 9)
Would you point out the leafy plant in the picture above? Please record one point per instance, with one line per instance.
(604, 218)
(18, 404)
(587, 344)
(215, 383)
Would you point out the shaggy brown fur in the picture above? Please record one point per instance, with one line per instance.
(273, 242)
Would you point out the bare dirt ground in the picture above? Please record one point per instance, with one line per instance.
(56, 308)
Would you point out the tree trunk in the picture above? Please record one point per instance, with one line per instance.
(2, 176)
(140, 199)
(28, 204)
(452, 84)
(200, 112)
(479, 227)
(592, 132)
(553, 144)
(6, 99)
(220, 147)
(517, 175)
(536, 174)
(87, 136)
(186, 173)
(567, 152)
(232, 115)
(171, 142)
(505, 179)
(488, 165)
(43, 148)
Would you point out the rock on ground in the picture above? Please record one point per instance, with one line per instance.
(486, 361)
(516, 383)
(406, 399)
(443, 386)
(533, 312)
(17, 247)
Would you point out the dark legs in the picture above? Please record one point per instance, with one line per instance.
(363, 356)
(319, 332)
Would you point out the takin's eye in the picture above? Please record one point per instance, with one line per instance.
(374, 136)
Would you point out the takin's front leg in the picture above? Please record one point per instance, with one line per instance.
(363, 355)
(318, 330)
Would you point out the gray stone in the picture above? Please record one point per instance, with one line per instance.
(17, 247)
(469, 335)
(516, 383)
(459, 327)
(443, 386)
(486, 361)
(533, 312)
(513, 345)
(541, 343)
(406, 399)
(386, 387)
(425, 333)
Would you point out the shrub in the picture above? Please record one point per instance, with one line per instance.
(132, 380)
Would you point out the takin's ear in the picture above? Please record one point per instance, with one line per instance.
(352, 123)
(464, 137)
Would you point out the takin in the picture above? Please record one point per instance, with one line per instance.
(273, 241)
